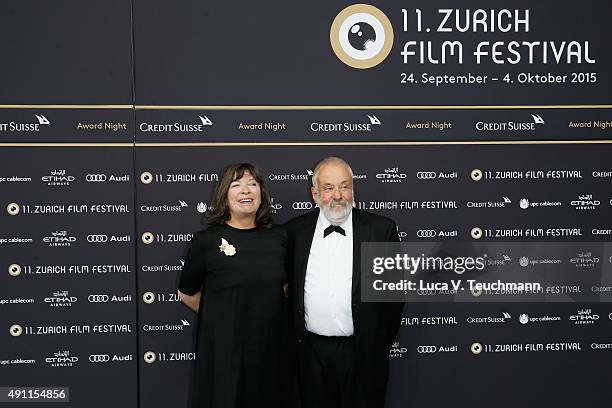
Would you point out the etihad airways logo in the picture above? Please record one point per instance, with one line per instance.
(346, 126)
(391, 175)
(58, 178)
(60, 299)
(585, 202)
(25, 127)
(584, 316)
(585, 259)
(396, 350)
(510, 126)
(62, 358)
(275, 207)
(59, 239)
(198, 125)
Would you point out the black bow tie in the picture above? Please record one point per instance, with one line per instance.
(333, 228)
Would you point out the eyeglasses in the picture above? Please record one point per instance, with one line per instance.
(342, 189)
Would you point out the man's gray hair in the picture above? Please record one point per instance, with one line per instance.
(329, 160)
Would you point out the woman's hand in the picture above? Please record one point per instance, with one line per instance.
(193, 301)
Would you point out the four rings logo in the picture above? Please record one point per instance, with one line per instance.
(302, 205)
(99, 358)
(426, 233)
(97, 238)
(98, 298)
(426, 349)
(426, 175)
(95, 178)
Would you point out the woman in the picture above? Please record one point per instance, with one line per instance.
(233, 276)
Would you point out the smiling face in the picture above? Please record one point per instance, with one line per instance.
(334, 192)
(244, 196)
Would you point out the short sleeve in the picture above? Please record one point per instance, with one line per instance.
(194, 269)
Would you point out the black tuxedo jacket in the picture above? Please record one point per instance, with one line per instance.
(375, 324)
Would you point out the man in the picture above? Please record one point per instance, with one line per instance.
(343, 344)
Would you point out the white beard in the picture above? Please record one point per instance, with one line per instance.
(336, 216)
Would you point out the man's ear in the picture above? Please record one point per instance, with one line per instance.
(314, 193)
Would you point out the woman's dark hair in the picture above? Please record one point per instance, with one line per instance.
(219, 213)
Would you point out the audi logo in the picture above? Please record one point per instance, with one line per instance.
(95, 178)
(426, 175)
(98, 298)
(97, 238)
(302, 205)
(426, 292)
(99, 358)
(426, 349)
(426, 233)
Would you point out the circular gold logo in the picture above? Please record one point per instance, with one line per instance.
(146, 178)
(149, 357)
(147, 238)
(16, 330)
(476, 348)
(476, 233)
(476, 174)
(13, 209)
(148, 297)
(14, 270)
(361, 36)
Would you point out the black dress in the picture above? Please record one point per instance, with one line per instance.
(242, 325)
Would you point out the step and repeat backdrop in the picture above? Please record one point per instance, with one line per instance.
(484, 124)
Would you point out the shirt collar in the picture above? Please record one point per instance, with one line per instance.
(323, 223)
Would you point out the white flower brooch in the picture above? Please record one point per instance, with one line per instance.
(227, 248)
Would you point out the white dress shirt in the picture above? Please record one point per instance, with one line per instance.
(329, 279)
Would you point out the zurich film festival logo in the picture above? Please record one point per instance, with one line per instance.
(361, 36)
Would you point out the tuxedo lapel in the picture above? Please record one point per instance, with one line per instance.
(304, 248)
(360, 234)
